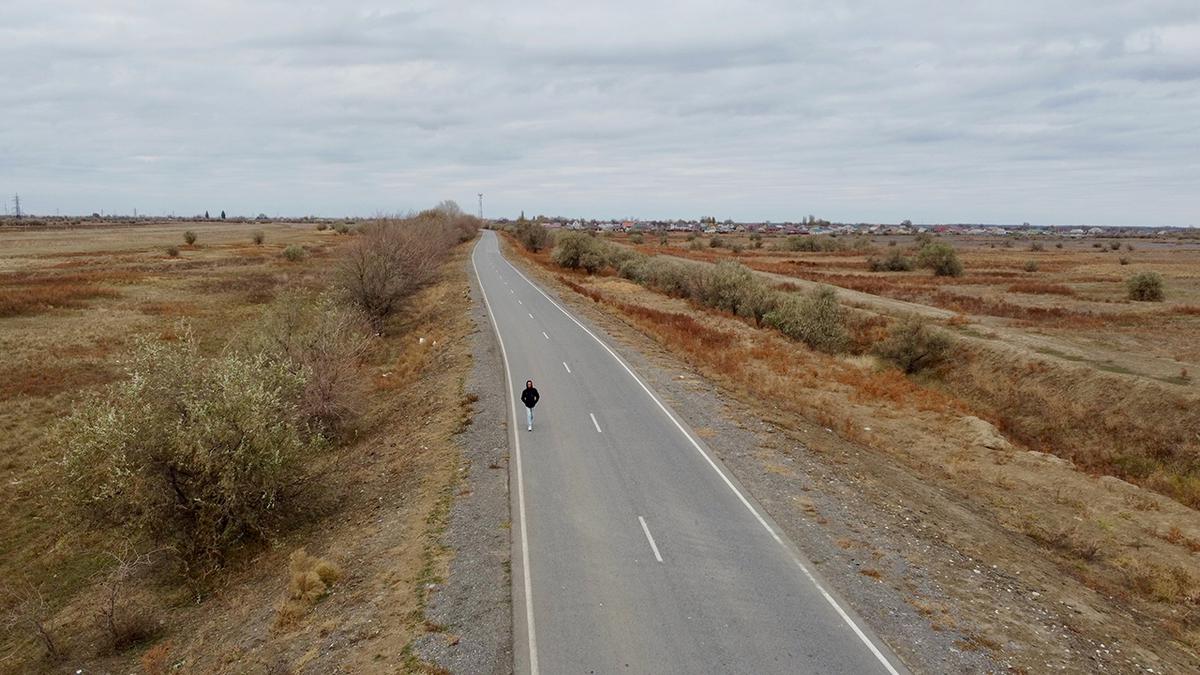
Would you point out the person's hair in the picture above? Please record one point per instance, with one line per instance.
(528, 383)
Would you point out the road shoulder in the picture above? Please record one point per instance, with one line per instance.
(470, 615)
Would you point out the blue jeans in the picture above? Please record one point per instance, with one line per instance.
(529, 416)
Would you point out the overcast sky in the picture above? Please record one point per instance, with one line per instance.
(1072, 111)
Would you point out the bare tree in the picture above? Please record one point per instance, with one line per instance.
(388, 262)
(26, 609)
(124, 622)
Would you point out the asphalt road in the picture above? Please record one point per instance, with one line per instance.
(634, 551)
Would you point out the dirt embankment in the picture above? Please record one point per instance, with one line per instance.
(1023, 558)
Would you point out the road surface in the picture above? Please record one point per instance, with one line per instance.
(634, 550)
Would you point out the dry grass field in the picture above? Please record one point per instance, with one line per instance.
(72, 306)
(1053, 395)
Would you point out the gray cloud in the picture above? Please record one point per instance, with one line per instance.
(1070, 112)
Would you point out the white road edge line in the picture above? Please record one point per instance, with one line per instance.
(566, 366)
(762, 521)
(650, 538)
(594, 421)
(533, 660)
(545, 336)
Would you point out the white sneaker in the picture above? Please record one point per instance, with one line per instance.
(531, 427)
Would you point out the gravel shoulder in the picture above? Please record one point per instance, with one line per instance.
(471, 612)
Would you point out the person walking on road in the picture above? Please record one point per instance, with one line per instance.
(530, 398)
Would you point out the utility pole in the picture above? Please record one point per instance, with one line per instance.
(481, 206)
(17, 205)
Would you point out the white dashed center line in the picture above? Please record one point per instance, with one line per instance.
(569, 370)
(545, 336)
(650, 538)
(595, 423)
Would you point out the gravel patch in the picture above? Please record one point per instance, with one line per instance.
(474, 606)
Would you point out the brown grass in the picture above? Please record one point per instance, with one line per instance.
(40, 381)
(309, 579)
(1041, 287)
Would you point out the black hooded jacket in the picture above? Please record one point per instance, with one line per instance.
(530, 397)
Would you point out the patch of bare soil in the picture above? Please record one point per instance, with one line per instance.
(963, 551)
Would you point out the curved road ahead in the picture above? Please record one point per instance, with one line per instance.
(634, 550)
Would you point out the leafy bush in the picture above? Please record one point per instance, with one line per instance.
(636, 238)
(894, 262)
(259, 237)
(672, 277)
(1031, 266)
(575, 250)
(294, 253)
(196, 453)
(341, 228)
(321, 227)
(723, 286)
(388, 262)
(189, 237)
(532, 236)
(757, 302)
(1146, 286)
(940, 258)
(1058, 245)
(912, 345)
(325, 342)
(816, 320)
(1037, 246)
(662, 238)
(695, 244)
(173, 251)
(756, 239)
(1115, 245)
(1123, 260)
(715, 242)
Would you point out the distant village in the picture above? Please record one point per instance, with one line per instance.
(816, 226)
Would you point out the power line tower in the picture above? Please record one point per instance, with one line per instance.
(481, 206)
(17, 205)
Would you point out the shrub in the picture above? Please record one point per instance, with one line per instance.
(815, 319)
(1037, 246)
(321, 227)
(575, 250)
(1031, 266)
(672, 277)
(189, 237)
(757, 302)
(695, 244)
(173, 251)
(196, 453)
(723, 286)
(940, 258)
(1123, 260)
(1128, 247)
(389, 261)
(912, 345)
(1115, 245)
(894, 262)
(532, 236)
(259, 237)
(756, 239)
(294, 253)
(636, 238)
(325, 343)
(1058, 245)
(715, 242)
(309, 579)
(662, 238)
(341, 228)
(1147, 286)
